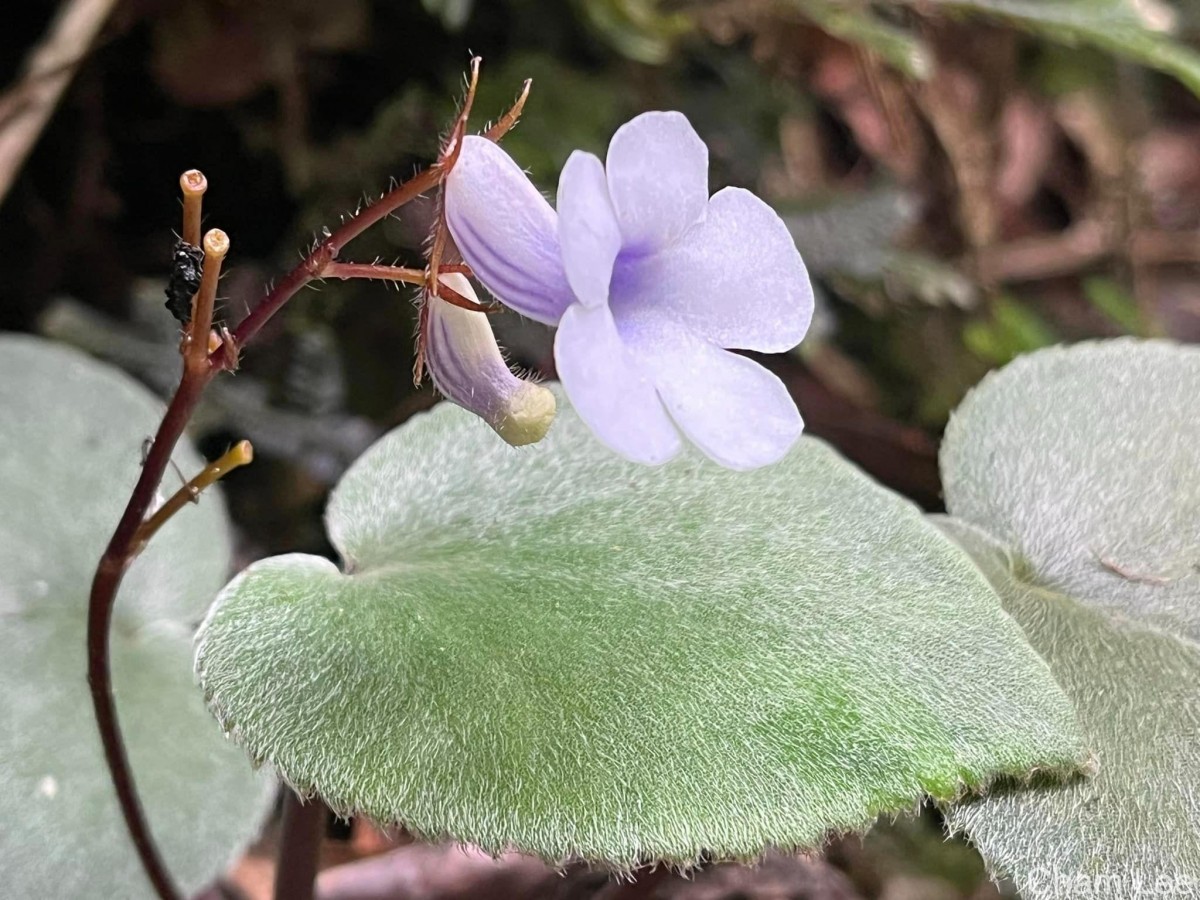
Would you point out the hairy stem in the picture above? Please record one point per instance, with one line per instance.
(127, 542)
(375, 271)
(205, 354)
(315, 264)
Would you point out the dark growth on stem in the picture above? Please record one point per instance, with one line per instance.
(187, 269)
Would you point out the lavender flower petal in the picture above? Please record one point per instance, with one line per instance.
(730, 407)
(608, 388)
(468, 368)
(506, 231)
(648, 281)
(587, 228)
(736, 278)
(658, 179)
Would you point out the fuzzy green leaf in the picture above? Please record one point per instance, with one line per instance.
(69, 454)
(555, 649)
(1074, 477)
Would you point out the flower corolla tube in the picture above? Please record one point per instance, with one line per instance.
(468, 368)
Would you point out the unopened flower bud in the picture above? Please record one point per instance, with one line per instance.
(468, 368)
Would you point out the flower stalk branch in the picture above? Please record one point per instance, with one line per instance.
(419, 277)
(240, 454)
(192, 184)
(205, 354)
(197, 342)
(374, 271)
(316, 264)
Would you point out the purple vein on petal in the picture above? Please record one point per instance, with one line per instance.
(493, 272)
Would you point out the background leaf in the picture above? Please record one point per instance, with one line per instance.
(643, 30)
(579, 656)
(453, 13)
(69, 453)
(1073, 477)
(1136, 29)
(863, 25)
(1012, 329)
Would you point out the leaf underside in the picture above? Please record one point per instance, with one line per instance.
(555, 650)
(69, 454)
(1074, 479)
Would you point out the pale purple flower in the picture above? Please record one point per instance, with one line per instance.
(468, 368)
(649, 281)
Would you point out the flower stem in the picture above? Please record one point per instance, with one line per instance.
(240, 454)
(299, 847)
(193, 184)
(205, 354)
(111, 569)
(315, 264)
(216, 245)
(411, 276)
(203, 359)
(371, 270)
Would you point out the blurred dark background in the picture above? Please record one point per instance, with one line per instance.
(964, 188)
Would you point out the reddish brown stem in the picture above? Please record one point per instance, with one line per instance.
(324, 253)
(299, 847)
(123, 546)
(437, 245)
(454, 298)
(388, 273)
(192, 184)
(207, 354)
(373, 271)
(113, 564)
(195, 353)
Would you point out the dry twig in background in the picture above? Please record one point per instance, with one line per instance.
(26, 106)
